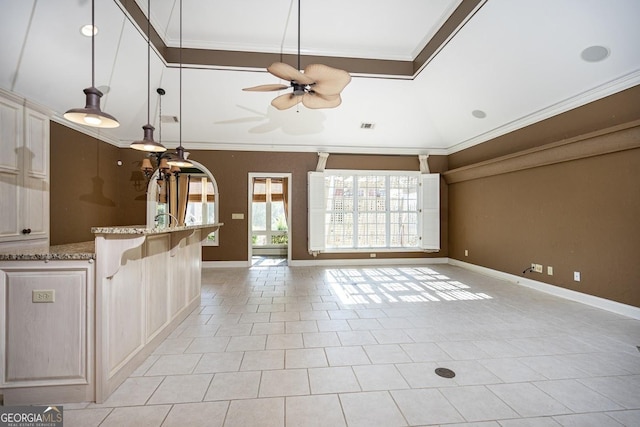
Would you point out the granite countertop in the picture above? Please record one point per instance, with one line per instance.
(71, 251)
(86, 250)
(144, 230)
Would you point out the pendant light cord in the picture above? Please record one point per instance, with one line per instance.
(93, 44)
(298, 35)
(149, 61)
(180, 88)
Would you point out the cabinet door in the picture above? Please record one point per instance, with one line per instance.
(36, 175)
(11, 136)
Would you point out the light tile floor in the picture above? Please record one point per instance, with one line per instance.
(318, 346)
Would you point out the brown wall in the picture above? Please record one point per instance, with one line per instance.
(231, 169)
(622, 107)
(578, 215)
(581, 215)
(84, 185)
(89, 189)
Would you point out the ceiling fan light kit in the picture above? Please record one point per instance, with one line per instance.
(318, 87)
(91, 114)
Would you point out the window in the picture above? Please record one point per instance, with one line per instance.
(373, 210)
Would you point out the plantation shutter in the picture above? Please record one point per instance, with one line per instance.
(316, 209)
(430, 212)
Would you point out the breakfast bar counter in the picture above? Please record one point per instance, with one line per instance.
(78, 319)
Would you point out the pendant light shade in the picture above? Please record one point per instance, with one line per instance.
(147, 143)
(91, 115)
(179, 159)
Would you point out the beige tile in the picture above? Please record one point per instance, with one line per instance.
(477, 403)
(290, 382)
(85, 417)
(207, 345)
(219, 362)
(379, 377)
(173, 346)
(371, 409)
(233, 385)
(333, 380)
(333, 325)
(195, 331)
(133, 391)
(305, 358)
(247, 343)
(267, 328)
(181, 389)
(386, 353)
(314, 411)
(262, 360)
(209, 414)
(426, 406)
(144, 367)
(301, 326)
(284, 341)
(136, 416)
(256, 412)
(356, 338)
(174, 365)
(285, 316)
(343, 356)
(320, 339)
(234, 330)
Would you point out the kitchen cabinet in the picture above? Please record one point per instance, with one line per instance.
(24, 175)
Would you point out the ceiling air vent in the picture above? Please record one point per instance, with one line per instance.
(169, 119)
(367, 125)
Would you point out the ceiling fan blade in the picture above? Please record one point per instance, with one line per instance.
(266, 88)
(315, 101)
(329, 80)
(285, 101)
(287, 72)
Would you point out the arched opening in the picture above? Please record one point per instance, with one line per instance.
(200, 190)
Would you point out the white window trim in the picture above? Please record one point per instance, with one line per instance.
(428, 208)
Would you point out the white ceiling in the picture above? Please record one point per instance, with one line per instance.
(519, 61)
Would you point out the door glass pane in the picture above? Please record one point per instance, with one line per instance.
(258, 216)
(278, 220)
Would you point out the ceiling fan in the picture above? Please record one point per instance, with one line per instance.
(318, 87)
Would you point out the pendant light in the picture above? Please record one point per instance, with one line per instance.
(91, 115)
(179, 159)
(147, 143)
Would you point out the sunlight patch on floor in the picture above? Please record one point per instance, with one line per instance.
(389, 285)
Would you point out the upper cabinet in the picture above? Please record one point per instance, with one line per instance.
(24, 175)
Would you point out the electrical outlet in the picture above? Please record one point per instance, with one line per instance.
(372, 255)
(538, 268)
(576, 276)
(533, 266)
(549, 270)
(466, 252)
(43, 295)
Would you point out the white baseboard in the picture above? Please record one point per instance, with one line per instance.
(602, 303)
(225, 264)
(366, 262)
